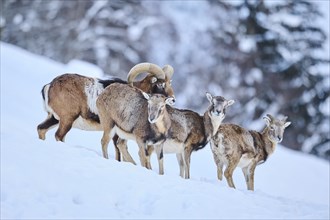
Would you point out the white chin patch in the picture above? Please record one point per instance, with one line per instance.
(215, 114)
(221, 115)
(152, 121)
(275, 140)
(171, 103)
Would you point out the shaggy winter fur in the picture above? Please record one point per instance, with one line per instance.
(70, 99)
(234, 146)
(130, 114)
(190, 132)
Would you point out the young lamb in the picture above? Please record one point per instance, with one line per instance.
(234, 146)
(191, 132)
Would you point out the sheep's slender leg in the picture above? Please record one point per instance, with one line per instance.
(49, 123)
(230, 170)
(219, 170)
(187, 156)
(140, 157)
(149, 151)
(160, 157)
(64, 127)
(117, 151)
(105, 141)
(246, 175)
(143, 163)
(142, 153)
(252, 168)
(122, 146)
(107, 127)
(179, 157)
(219, 164)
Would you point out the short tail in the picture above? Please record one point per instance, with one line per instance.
(44, 90)
(44, 93)
(199, 146)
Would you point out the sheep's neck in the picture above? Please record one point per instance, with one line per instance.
(269, 144)
(211, 125)
(162, 124)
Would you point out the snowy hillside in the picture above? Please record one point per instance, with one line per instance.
(48, 179)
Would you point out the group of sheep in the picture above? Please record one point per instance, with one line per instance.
(142, 111)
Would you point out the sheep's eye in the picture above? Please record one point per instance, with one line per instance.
(272, 128)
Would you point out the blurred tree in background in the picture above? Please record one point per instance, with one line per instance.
(275, 52)
(94, 31)
(267, 55)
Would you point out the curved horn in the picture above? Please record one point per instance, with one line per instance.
(168, 70)
(145, 67)
(270, 117)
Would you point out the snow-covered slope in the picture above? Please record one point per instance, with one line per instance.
(48, 179)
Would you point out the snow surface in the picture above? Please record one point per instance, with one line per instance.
(53, 180)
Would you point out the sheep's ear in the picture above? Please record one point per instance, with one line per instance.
(230, 102)
(267, 119)
(153, 79)
(146, 96)
(170, 101)
(287, 124)
(284, 118)
(209, 97)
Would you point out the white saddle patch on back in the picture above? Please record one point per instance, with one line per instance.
(93, 91)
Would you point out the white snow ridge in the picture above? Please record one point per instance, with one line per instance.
(54, 180)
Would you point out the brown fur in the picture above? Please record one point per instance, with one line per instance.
(235, 146)
(189, 132)
(153, 88)
(123, 108)
(67, 98)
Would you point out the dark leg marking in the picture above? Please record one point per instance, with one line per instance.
(48, 123)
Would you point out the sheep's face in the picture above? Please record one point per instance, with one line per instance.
(275, 128)
(156, 106)
(164, 87)
(218, 105)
